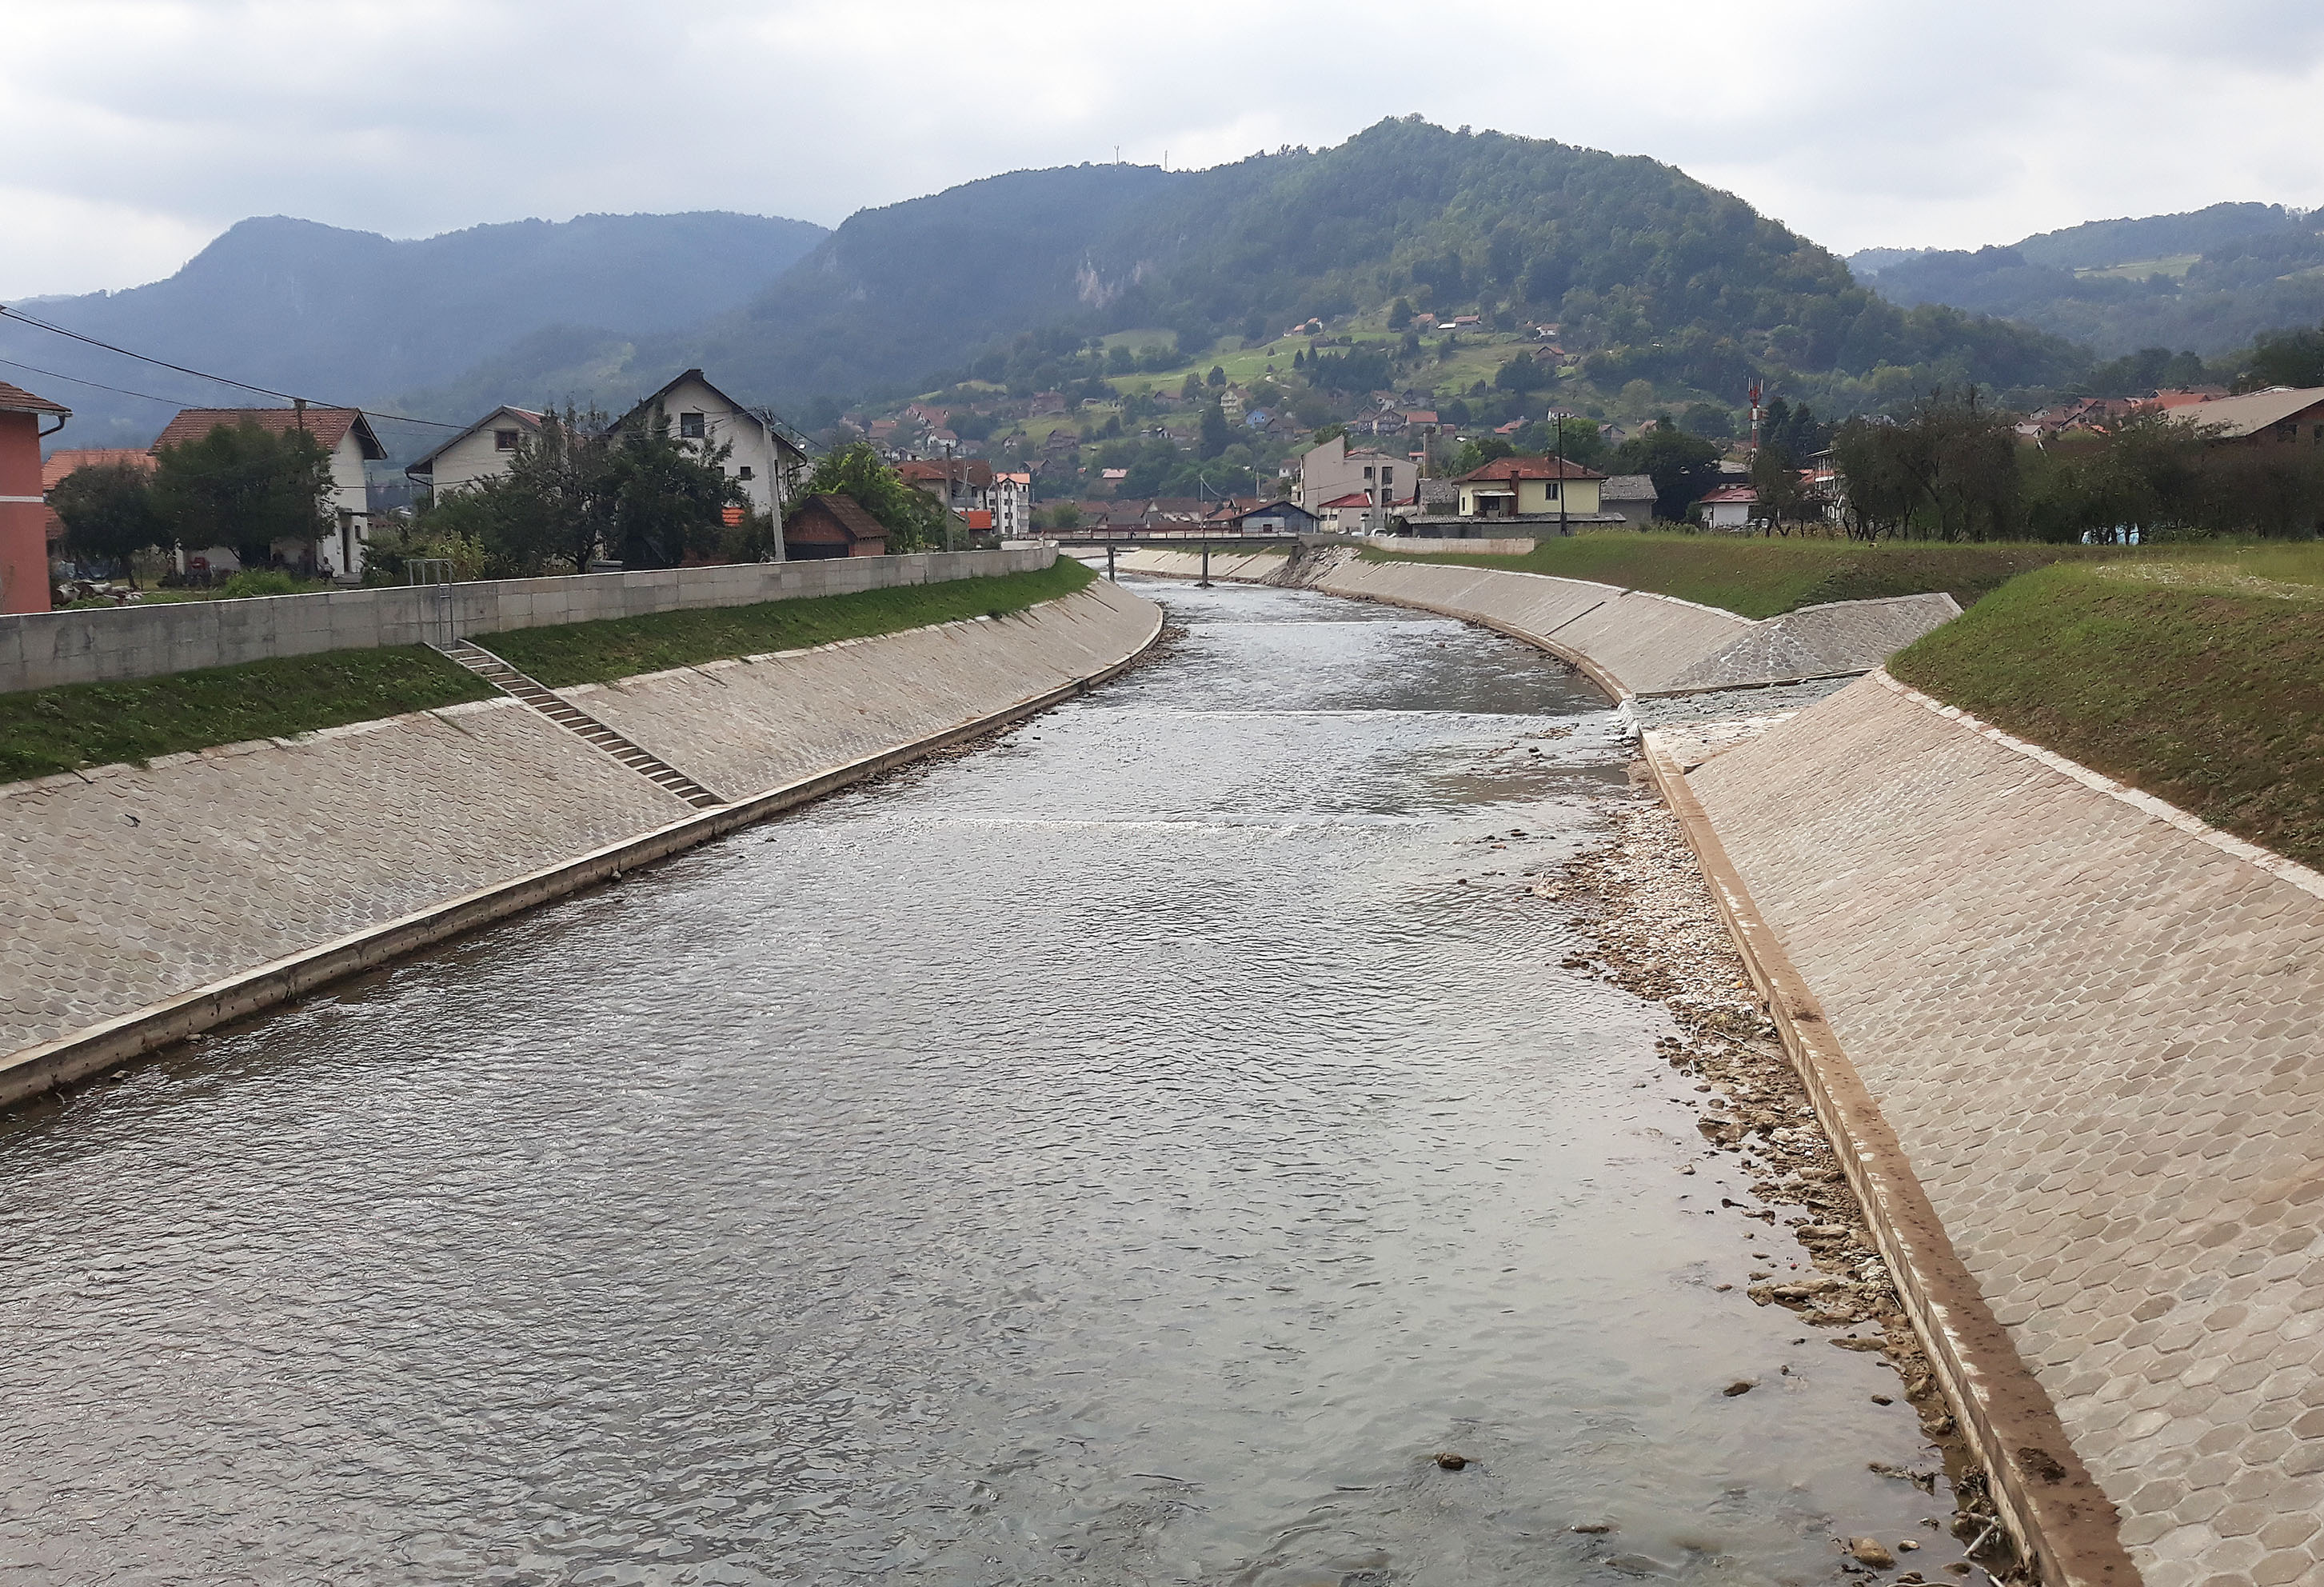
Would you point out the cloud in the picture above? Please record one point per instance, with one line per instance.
(155, 123)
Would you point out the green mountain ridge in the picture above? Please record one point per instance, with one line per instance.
(2206, 281)
(342, 315)
(1652, 275)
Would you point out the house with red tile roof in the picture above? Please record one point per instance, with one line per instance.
(65, 460)
(832, 526)
(345, 435)
(1521, 486)
(24, 515)
(1346, 514)
(1729, 507)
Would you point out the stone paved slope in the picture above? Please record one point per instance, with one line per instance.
(2096, 1037)
(1814, 641)
(744, 725)
(128, 886)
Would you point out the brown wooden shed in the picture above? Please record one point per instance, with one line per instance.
(833, 526)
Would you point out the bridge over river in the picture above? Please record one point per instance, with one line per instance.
(1129, 1152)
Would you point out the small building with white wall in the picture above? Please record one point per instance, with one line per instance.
(342, 432)
(484, 450)
(768, 465)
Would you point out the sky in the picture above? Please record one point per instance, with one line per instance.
(142, 128)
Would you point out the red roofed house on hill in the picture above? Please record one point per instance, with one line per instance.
(344, 433)
(24, 515)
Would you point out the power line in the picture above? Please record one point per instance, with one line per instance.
(8, 313)
(100, 385)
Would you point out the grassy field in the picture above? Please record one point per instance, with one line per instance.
(1758, 577)
(599, 653)
(2198, 680)
(51, 730)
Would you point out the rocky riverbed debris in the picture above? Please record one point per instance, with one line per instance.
(1656, 932)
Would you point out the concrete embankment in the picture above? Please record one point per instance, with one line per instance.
(1629, 641)
(2091, 1024)
(147, 903)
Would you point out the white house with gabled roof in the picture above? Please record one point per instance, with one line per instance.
(482, 451)
(767, 463)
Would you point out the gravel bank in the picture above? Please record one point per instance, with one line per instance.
(1642, 898)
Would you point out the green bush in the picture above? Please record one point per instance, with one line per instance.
(259, 581)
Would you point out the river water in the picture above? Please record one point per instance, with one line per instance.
(1127, 1153)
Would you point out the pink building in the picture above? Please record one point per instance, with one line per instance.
(24, 515)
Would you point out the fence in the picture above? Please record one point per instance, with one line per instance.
(40, 650)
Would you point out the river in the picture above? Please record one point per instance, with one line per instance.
(1127, 1153)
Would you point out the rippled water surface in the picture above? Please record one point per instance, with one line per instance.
(1126, 1154)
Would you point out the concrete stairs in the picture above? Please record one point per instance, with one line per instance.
(573, 719)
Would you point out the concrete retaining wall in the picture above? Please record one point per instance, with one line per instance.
(2092, 1025)
(41, 650)
(146, 903)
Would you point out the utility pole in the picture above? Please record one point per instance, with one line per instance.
(949, 512)
(1563, 529)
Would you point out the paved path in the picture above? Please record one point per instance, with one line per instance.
(2097, 1037)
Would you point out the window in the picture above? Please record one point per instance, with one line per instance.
(503, 441)
(744, 472)
(1387, 477)
(1368, 473)
(689, 426)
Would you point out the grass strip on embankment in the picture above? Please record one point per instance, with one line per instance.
(2199, 682)
(623, 647)
(1756, 577)
(45, 731)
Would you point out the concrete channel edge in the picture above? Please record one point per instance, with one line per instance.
(79, 1054)
(2064, 1526)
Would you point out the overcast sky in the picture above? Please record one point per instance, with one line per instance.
(141, 128)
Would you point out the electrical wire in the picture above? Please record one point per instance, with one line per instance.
(100, 385)
(224, 380)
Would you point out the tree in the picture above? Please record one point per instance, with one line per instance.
(1474, 455)
(668, 498)
(1216, 431)
(1192, 391)
(1713, 422)
(1776, 481)
(1217, 375)
(246, 487)
(552, 512)
(1399, 314)
(2286, 358)
(915, 521)
(1948, 471)
(1683, 467)
(108, 512)
(1523, 372)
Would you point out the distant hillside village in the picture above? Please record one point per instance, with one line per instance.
(306, 496)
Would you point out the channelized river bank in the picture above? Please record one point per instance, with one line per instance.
(1132, 1153)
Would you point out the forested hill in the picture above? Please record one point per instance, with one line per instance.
(352, 317)
(2206, 281)
(1648, 272)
